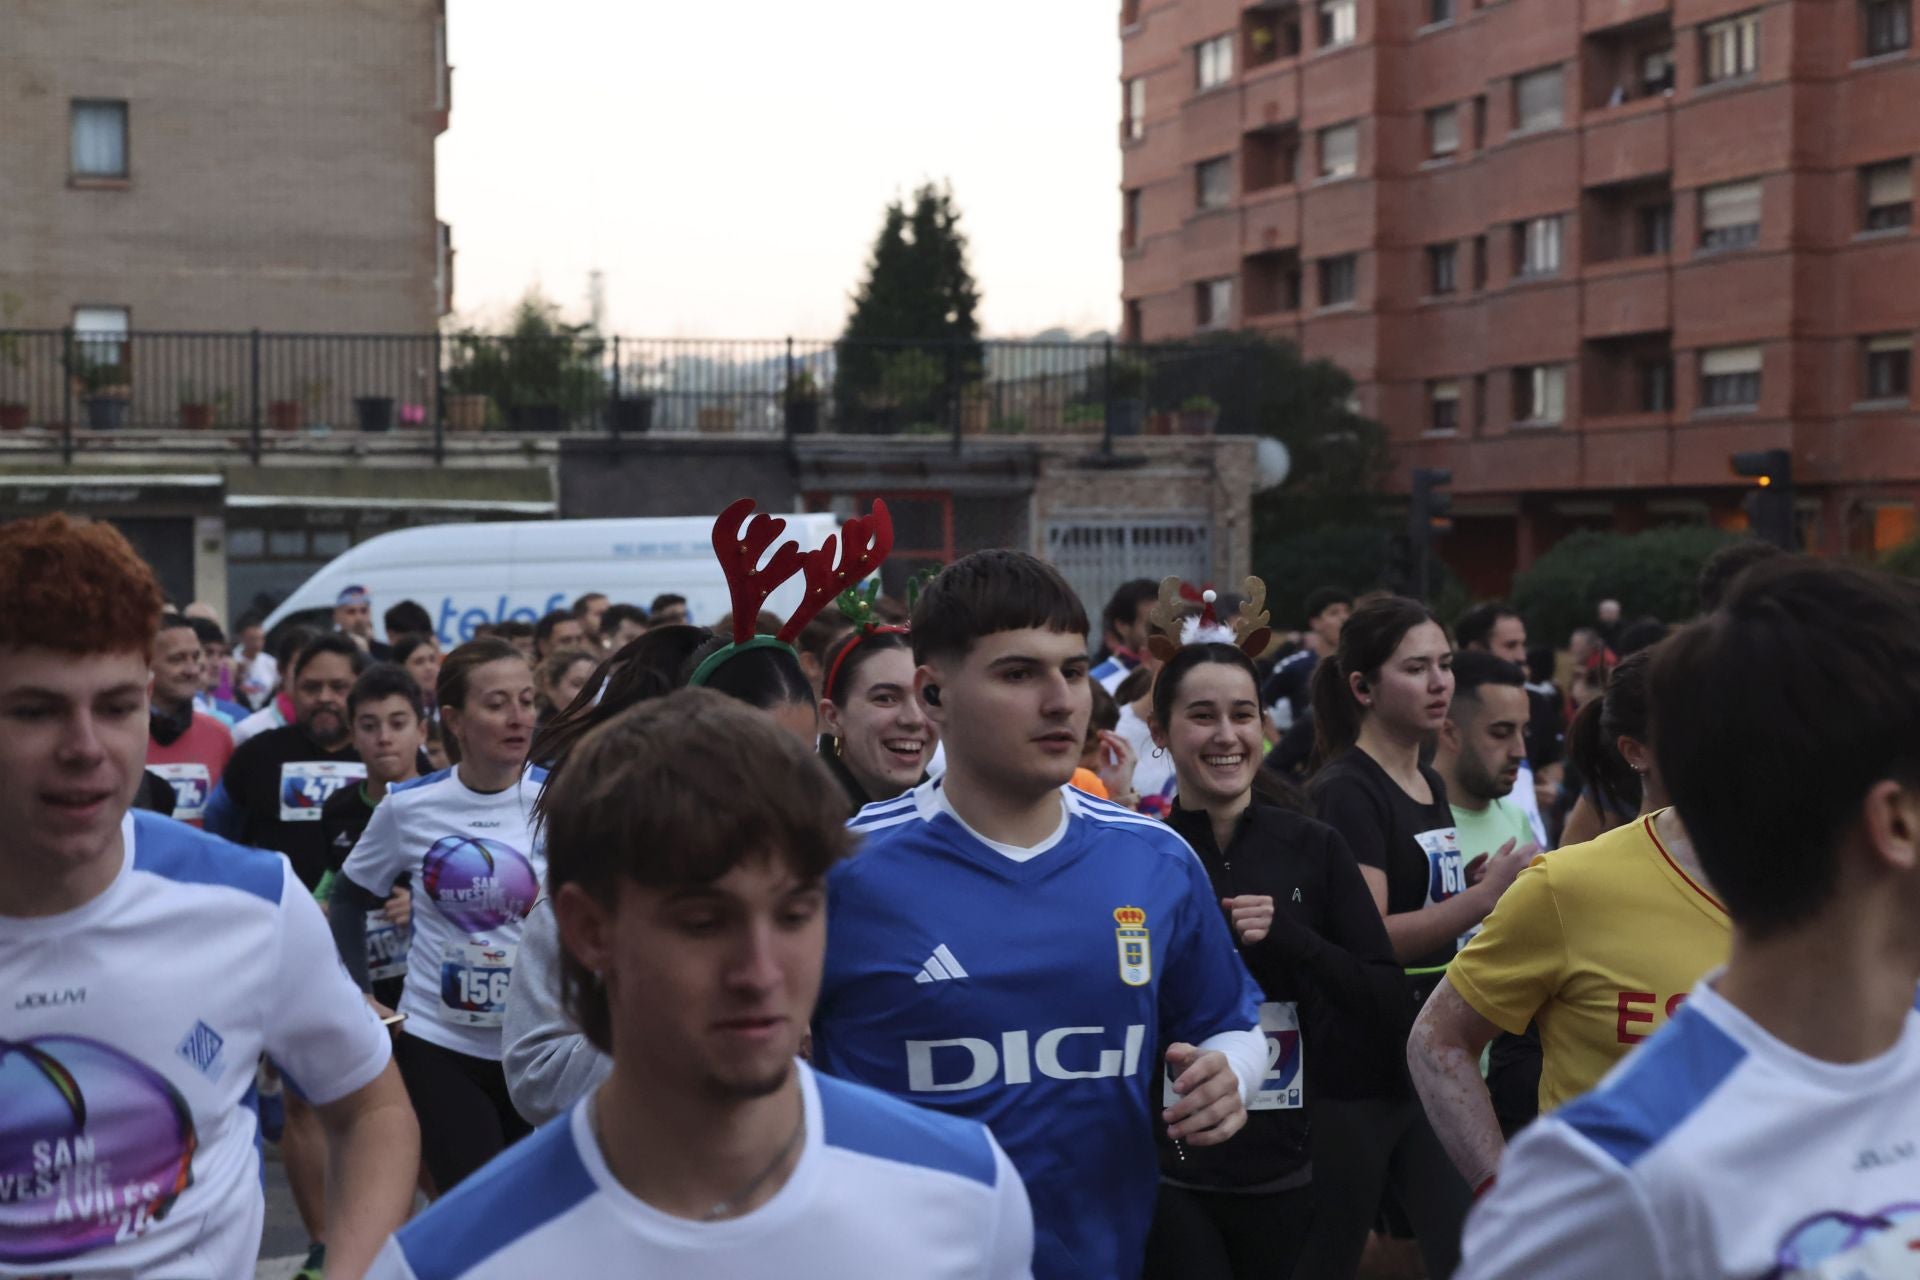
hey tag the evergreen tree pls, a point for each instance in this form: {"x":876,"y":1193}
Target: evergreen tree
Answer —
{"x":913,"y":339}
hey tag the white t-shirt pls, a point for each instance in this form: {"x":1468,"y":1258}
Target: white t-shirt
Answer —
{"x":1714,"y":1150}
{"x":1152,"y":776}
{"x":128,"y":1042}
{"x":476,"y":873}
{"x":882,"y":1188}
{"x":267,"y":717}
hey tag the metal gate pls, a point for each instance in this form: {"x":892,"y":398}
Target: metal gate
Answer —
{"x":1096,"y":553}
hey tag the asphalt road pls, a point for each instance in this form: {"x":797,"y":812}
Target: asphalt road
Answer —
{"x":284,"y":1245}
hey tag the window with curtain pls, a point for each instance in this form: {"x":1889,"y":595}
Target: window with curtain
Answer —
{"x":1130,"y":218}
{"x":1887,"y":25}
{"x":1537,"y":102}
{"x":1730,"y":215}
{"x":1443,"y":131}
{"x":1339,"y":280}
{"x":1730,"y":377}
{"x":1730,"y":49}
{"x":1214,"y":62}
{"x":1340,"y":151}
{"x":1444,"y":400}
{"x":1213,"y":183}
{"x":1537,"y":247}
{"x":1889,"y":195}
{"x":1339,"y":23}
{"x":1214,"y":299}
{"x":101,"y":333}
{"x":1442,"y":269}
{"x":1136,"y":103}
{"x":99,"y":139}
{"x":1540,"y":394}
{"x":1889,"y":367}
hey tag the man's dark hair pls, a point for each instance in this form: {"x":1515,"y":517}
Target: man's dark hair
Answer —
{"x":618,"y":613}
{"x":1474,"y":669}
{"x":170,"y":621}
{"x":1728,"y":563}
{"x":408,"y":618}
{"x":675,"y":793}
{"x":404,"y":647}
{"x":579,"y":608}
{"x":1321,"y":599}
{"x":663,"y":601}
{"x":1641,"y":633}
{"x":512,"y":629}
{"x":1474,"y":630}
{"x":209,"y":631}
{"x":286,"y":648}
{"x":1772,"y":719}
{"x":329,"y":642}
{"x":543,"y":629}
{"x":1124,"y":605}
{"x":989,"y":592}
{"x":385,"y":680}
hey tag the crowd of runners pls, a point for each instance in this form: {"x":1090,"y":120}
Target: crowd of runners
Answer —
{"x":958,"y":936}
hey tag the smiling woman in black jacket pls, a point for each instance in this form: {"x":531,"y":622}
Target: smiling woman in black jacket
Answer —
{"x":1308,"y":930}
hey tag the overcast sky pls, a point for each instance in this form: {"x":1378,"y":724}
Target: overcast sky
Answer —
{"x":726,"y":164}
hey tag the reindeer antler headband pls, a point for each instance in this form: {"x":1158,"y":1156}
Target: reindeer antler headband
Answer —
{"x":842,"y":561}
{"x":1250,"y":631}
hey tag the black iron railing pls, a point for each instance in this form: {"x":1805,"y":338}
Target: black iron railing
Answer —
{"x":262,"y":392}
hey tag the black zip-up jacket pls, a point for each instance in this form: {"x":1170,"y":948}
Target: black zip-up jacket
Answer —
{"x":1328,"y":953}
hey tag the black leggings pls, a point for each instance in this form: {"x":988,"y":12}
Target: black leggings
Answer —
{"x":466,"y":1117}
{"x":1360,"y":1150}
{"x":1216,"y":1235}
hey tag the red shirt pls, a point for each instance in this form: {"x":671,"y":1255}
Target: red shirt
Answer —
{"x":193,"y":763}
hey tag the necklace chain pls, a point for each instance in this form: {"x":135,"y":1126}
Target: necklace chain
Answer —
{"x":726,"y":1208}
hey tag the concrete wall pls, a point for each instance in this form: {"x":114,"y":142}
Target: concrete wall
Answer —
{"x":672,"y":476}
{"x":280,"y":155}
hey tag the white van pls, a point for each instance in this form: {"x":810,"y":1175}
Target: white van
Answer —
{"x":469,"y":574}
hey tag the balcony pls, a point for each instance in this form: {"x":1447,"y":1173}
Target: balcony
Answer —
{"x":1607,"y":15}
{"x":1629,"y":379}
{"x":1626,"y":144}
{"x":1273,"y":283}
{"x":1270,"y":33}
{"x":1628,"y":301}
{"x":1270,"y":158}
{"x":1628,"y":220}
{"x":1627,"y":64}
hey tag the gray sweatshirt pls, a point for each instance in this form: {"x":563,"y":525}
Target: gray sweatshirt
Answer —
{"x":550,"y":1065}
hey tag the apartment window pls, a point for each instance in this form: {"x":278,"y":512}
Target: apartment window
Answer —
{"x":1215,"y":303}
{"x":1480,"y":122}
{"x":1889,"y":367}
{"x":1537,"y":101}
{"x":99,"y":139}
{"x":1134,"y":123}
{"x":1730,"y":49}
{"x":1443,"y":400}
{"x":1213,"y":183}
{"x":1443,"y":131}
{"x":1656,"y":386}
{"x":1656,"y":73}
{"x":1439,"y":11}
{"x":442,"y":77}
{"x":1214,"y":62}
{"x":1888,"y":191}
{"x":1730,"y":378}
{"x":1339,"y":23}
{"x":1339,"y":280}
{"x":1479,"y":402}
{"x":1479,"y":263}
{"x":1129,"y":12}
{"x":1442,"y":274}
{"x":443,"y":267}
{"x":1540,"y":394}
{"x":1888,"y":25}
{"x":1130,"y":219}
{"x":1130,"y":321}
{"x":1340,"y":151}
{"x":1536,"y":245}
{"x":1729,"y":215}
{"x":1656,"y":230}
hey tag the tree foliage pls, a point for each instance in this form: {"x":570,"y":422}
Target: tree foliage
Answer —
{"x":542,"y":360}
{"x":1651,"y":574}
{"x":913,"y":338}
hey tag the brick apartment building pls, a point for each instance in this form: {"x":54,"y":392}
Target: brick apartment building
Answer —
{"x":1577,"y":251}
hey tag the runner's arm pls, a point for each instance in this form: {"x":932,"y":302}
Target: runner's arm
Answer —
{"x":222,"y":816}
{"x":1422,"y":932}
{"x":1444,"y":1056}
{"x":373,"y":1160}
{"x":347,"y":908}
{"x":549,"y":1064}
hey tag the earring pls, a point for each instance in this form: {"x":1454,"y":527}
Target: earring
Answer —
{"x":1159,"y":753}
{"x":839,"y":746}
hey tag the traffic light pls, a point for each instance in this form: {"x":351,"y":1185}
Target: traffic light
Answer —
{"x":1770,"y":504}
{"x":1427,"y":518}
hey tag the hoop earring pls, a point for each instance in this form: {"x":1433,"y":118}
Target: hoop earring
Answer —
{"x":1159,"y":753}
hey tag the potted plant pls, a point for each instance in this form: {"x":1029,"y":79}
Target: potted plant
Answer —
{"x":803,"y":404}
{"x":102,"y":384}
{"x":196,"y":408}
{"x":374,"y":412}
{"x":631,"y":412}
{"x":476,"y":371}
{"x":13,"y":413}
{"x":976,"y":409}
{"x":1127,"y":395}
{"x":1199,"y":415}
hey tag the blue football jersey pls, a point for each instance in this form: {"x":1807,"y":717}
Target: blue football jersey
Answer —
{"x":1034,"y":994}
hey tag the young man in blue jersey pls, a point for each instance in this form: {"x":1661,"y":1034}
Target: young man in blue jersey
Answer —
{"x":688,"y":841}
{"x":1772,"y":1126}
{"x":1005,"y":948}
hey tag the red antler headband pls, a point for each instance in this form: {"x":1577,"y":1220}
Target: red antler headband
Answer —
{"x":842,"y":560}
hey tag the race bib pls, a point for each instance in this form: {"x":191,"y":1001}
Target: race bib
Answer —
{"x":387,"y":945}
{"x":1878,"y":1246}
{"x":305,"y":785}
{"x":192,"y":784}
{"x":1283,"y":1087}
{"x":473,"y":982}
{"x":1446,"y":868}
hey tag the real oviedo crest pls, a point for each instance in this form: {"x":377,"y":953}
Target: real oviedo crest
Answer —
{"x":1136,"y":955}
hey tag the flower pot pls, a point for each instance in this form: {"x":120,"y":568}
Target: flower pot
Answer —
{"x":975,"y":413}
{"x":536,"y":417}
{"x":106,"y":413}
{"x":1124,"y":417}
{"x":716,"y":421}
{"x":13,"y":416}
{"x":285,"y":415}
{"x":466,"y":412}
{"x":1160,"y":422}
{"x":1198,"y":422}
{"x":632,"y":415}
{"x":196,"y":417}
{"x":374,"y":412}
{"x":803,"y":417}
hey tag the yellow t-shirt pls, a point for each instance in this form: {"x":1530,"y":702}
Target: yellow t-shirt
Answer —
{"x":1600,"y":942}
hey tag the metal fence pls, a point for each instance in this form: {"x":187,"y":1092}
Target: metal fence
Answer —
{"x":260,"y":392}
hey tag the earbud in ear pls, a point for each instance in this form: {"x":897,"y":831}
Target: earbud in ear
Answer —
{"x":1363,"y":686}
{"x":932,"y":695}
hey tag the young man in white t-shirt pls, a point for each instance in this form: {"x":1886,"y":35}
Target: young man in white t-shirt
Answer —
{"x":147,"y":966}
{"x":688,"y":841}
{"x":1772,"y":1127}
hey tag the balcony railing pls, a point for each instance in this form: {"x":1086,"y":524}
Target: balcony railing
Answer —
{"x":259,"y":393}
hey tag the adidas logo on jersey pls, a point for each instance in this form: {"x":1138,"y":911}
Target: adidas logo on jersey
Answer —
{"x":940,"y":967}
